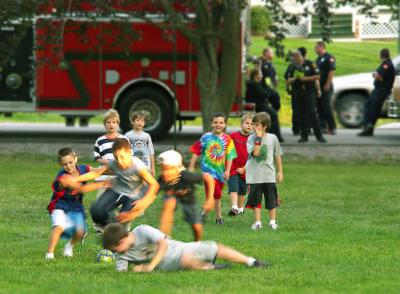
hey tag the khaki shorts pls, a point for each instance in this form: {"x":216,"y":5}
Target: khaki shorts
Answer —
{"x":204,"y":250}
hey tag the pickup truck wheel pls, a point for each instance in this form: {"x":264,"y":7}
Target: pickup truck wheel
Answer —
{"x":350,"y":110}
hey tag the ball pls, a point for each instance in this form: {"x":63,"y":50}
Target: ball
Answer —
{"x":105,"y":255}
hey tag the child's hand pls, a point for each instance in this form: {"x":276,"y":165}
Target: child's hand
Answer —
{"x":143,"y":268}
{"x":226,"y":175}
{"x":125,"y":217}
{"x":258,"y":131}
{"x":68,"y":181}
{"x":241,"y":170}
{"x":279,"y":177}
{"x":208,"y":206}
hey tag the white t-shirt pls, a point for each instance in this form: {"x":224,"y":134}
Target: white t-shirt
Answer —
{"x":142,"y":146}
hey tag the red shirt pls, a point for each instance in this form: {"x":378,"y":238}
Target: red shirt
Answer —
{"x":240,"y":142}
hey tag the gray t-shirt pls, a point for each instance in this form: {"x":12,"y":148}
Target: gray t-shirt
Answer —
{"x":142,"y":146}
{"x":128,"y":181}
{"x":144,"y":247}
{"x":261,"y":169}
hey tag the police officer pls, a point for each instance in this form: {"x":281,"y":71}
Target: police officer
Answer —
{"x":326,"y":65}
{"x":303,"y":78}
{"x":295,"y":103}
{"x":383,"y":82}
{"x":270,"y":77}
{"x":256,"y":93}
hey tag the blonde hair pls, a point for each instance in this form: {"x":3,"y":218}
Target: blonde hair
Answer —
{"x":246,"y":116}
{"x":111,"y":113}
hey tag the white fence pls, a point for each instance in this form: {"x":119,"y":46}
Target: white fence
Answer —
{"x":364,"y":29}
{"x":381,"y":30}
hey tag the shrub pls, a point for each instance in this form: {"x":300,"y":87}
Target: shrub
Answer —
{"x":260,"y":20}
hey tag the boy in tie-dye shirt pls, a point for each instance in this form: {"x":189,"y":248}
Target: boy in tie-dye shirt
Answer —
{"x":217,"y":150}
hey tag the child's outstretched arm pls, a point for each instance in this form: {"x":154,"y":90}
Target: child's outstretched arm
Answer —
{"x":279,"y":174}
{"x":192,"y":163}
{"x":162,"y":246}
{"x":93,"y":174}
{"x":143,"y":203}
{"x":210,"y":186}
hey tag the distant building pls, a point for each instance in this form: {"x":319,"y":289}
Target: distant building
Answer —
{"x":347,"y":22}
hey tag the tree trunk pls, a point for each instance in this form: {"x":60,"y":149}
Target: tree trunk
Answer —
{"x":217,"y":82}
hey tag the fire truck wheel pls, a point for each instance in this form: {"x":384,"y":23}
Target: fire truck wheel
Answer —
{"x":154,"y":103}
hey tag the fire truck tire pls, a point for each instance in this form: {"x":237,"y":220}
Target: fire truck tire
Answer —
{"x":154,"y":103}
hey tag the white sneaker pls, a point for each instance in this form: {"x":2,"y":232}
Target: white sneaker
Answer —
{"x":49,"y":255}
{"x":256,"y":227}
{"x":273,"y":226}
{"x":68,"y":250}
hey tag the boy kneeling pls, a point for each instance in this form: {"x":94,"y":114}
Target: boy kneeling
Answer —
{"x":149,"y":249}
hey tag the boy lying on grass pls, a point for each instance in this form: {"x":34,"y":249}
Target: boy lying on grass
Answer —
{"x":150,"y":249}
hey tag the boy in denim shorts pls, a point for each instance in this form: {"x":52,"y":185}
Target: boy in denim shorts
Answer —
{"x":237,"y":179}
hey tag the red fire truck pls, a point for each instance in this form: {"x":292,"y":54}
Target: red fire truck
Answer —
{"x":155,"y":73}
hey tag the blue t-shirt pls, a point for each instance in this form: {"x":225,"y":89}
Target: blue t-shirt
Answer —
{"x":66,"y":199}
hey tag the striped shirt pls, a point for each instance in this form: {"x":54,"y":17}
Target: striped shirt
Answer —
{"x":103,"y":147}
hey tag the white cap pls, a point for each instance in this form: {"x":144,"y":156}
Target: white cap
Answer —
{"x":170,"y":157}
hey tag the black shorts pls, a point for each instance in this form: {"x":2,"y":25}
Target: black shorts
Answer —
{"x":191,"y":211}
{"x":254,"y":198}
{"x":237,"y":184}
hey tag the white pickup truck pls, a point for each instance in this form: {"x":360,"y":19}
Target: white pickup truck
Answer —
{"x":352,"y":91}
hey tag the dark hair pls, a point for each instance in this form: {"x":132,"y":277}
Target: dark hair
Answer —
{"x":64,"y":152}
{"x":262,"y":118}
{"x":321,"y":44}
{"x":113,"y":233}
{"x":218,"y":114}
{"x":138,"y":114}
{"x":120,"y":143}
{"x":303,"y":51}
{"x":385,"y":53}
{"x":253,"y":73}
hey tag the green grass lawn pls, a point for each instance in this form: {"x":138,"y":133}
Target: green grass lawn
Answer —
{"x":351,"y":57}
{"x":339,"y":232}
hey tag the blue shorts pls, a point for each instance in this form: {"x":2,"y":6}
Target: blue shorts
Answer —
{"x":70,"y":221}
{"x":237,"y":184}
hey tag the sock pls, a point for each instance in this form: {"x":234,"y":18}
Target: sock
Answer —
{"x":272,"y":222}
{"x":241,"y":209}
{"x":235,"y":207}
{"x":250,"y":261}
{"x":258,"y":223}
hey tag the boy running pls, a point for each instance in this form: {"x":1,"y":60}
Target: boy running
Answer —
{"x":179,"y":187}
{"x":217,"y":151}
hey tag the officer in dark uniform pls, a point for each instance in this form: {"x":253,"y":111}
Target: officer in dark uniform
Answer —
{"x":383,"y":83}
{"x":256,"y":93}
{"x":295,"y":103}
{"x":326,"y":64}
{"x":270,"y":78}
{"x":303,"y":78}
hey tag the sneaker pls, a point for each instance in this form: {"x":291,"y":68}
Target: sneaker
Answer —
{"x":219,"y":221}
{"x":68,"y":250}
{"x":273,"y":226}
{"x":233,"y":212}
{"x":240,"y":211}
{"x":256,"y":227}
{"x":98,"y":228}
{"x":321,"y":140}
{"x":260,"y":264}
{"x":49,"y":255}
{"x":303,"y":140}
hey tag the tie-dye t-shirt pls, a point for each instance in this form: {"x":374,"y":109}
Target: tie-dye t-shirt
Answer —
{"x":214,"y":151}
